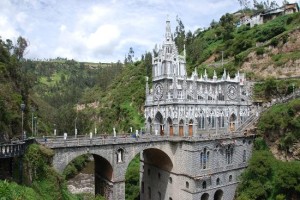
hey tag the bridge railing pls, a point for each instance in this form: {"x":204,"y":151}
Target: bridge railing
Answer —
{"x":12,"y":150}
{"x":54,"y":142}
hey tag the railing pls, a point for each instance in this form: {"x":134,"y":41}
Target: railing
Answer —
{"x":59,"y":141}
{"x":12,"y":150}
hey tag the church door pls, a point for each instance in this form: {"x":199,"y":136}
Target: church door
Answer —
{"x":181,"y":128}
{"x":171,"y":130}
{"x":232,"y":121}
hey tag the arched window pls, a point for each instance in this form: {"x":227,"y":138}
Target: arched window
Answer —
{"x":204,"y":158}
{"x":230,"y":178}
{"x":221,"y":97}
{"x":229,"y":154}
{"x":170,"y":180}
{"x":200,"y":97}
{"x":244,"y":156}
{"x":158,"y":175}
{"x":218,"y":181}
{"x":204,"y":185}
{"x":211,"y":120}
{"x":120,"y":155}
{"x":201,"y":121}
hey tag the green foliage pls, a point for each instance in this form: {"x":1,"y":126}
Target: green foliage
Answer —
{"x":76,"y":166}
{"x":268,"y":178}
{"x":13,"y":191}
{"x":281,"y":122}
{"x":132,"y":176}
{"x":271,"y":88}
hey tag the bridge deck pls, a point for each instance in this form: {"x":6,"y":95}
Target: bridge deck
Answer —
{"x":57,"y":142}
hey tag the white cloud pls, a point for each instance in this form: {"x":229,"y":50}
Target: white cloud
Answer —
{"x":101,"y":31}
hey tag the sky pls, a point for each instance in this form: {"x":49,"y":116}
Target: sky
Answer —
{"x":102,"y":30}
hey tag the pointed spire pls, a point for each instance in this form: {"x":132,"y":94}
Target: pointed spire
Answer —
{"x":224,"y":74}
{"x":215,"y":75}
{"x":228,"y":77}
{"x":205,"y":74}
{"x":201,"y":77}
{"x":195,"y":73}
{"x":168,"y":30}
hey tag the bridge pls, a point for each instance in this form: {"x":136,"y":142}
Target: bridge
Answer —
{"x":172,"y":158}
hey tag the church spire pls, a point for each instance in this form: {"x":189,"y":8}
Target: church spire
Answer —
{"x":168,"y":30}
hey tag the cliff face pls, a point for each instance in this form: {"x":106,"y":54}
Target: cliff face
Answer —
{"x":281,"y":61}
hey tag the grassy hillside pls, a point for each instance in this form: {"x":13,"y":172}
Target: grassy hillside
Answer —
{"x":243,"y":46}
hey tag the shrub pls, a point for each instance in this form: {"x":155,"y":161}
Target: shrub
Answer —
{"x":260,"y":51}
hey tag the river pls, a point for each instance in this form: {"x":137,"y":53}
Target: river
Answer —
{"x":84,"y":182}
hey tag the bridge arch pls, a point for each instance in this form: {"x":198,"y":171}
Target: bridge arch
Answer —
{"x":155,"y":171}
{"x":103,"y":174}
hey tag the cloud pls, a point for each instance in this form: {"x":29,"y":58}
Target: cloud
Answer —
{"x":101,"y":31}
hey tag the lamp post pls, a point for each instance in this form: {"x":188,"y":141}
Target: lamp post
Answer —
{"x":22,"y":109}
{"x":75,"y":128}
{"x":54,"y":130}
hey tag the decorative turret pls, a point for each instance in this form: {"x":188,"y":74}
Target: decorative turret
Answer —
{"x":168,"y":34}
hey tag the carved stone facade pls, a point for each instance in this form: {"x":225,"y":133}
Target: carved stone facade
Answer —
{"x":196,"y":105}
{"x":201,"y":108}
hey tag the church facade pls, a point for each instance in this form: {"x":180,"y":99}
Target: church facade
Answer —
{"x":178,"y":105}
{"x":207,"y":114}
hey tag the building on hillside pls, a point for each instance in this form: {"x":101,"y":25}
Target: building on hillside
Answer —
{"x":200,"y":110}
{"x":265,"y":16}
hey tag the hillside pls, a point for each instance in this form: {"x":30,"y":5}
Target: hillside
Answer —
{"x":270,"y":49}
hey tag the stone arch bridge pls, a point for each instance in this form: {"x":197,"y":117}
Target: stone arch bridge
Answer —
{"x":171,"y":167}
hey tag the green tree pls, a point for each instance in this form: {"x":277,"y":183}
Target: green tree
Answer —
{"x":179,"y":35}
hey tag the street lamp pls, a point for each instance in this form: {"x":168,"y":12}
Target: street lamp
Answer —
{"x":32,"y":130}
{"x":54,"y":130}
{"x":22,"y":109}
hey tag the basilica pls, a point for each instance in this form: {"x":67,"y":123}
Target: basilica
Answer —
{"x":178,"y":105}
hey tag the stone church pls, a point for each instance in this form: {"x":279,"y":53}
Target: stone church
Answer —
{"x":178,"y":105}
{"x":204,"y":114}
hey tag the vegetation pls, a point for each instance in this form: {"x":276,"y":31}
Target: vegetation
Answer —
{"x":76,"y":166}
{"x":281,"y":122}
{"x":272,"y":88}
{"x":268,"y":178}
{"x":132,"y":187}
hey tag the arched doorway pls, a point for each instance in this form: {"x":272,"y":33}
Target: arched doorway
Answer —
{"x":159,"y":123}
{"x":218,"y":195}
{"x":170,"y":124}
{"x":191,"y":122}
{"x":181,"y":124}
{"x":205,"y":196}
{"x":232,"y":122}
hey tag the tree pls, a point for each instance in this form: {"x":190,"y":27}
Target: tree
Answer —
{"x":179,"y":35}
{"x":227,"y":26}
{"x":244,"y":4}
{"x":130,"y":55}
{"x":19,"y":49}
{"x":264,"y":5}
